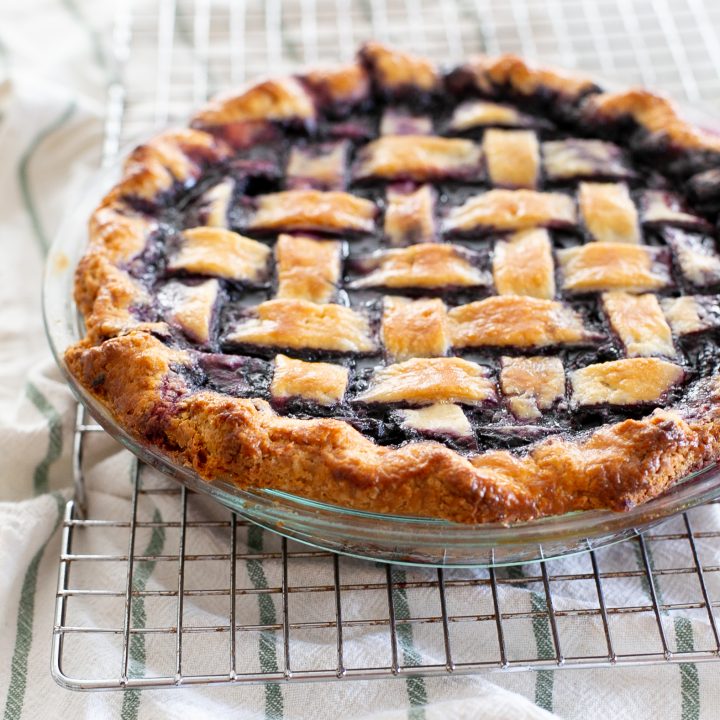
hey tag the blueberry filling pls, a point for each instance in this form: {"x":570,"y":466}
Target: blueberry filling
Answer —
{"x":234,"y":375}
{"x":681,"y":246}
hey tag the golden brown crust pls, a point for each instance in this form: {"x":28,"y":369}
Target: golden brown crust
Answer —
{"x":425,"y":265}
{"x":173,"y":156}
{"x":396,"y":71}
{"x":274,"y":99}
{"x":301,"y":324}
{"x":654,"y":113}
{"x":630,"y":381}
{"x":598,"y":267}
{"x":511,"y":210}
{"x":419,"y":158}
{"x":409,"y":216}
{"x":523,"y":265}
{"x":511,"y":71}
{"x":346,"y":85}
{"x":617,"y":467}
{"x":609,"y":212}
{"x":117,"y":231}
{"x":639,"y":322}
{"x":178,"y":151}
{"x":480,"y":113}
{"x":242,"y":440}
{"x":425,"y":381}
{"x":323,"y":383}
{"x":512,"y":157}
{"x":106,"y":296}
{"x":414,"y":328}
{"x":313,"y":210}
{"x":532,"y":384}
{"x":191,"y":307}
{"x":516,"y":321}
{"x":220,"y":253}
{"x":307,"y":269}
{"x":139,"y":379}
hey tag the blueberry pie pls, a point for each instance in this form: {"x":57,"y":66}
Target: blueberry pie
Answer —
{"x":489,"y":293}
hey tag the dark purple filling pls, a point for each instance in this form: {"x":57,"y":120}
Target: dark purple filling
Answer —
{"x":678,"y":163}
{"x":515,"y":435}
{"x":704,"y":191}
{"x":260,"y":161}
{"x":545,"y":102}
{"x":357,"y":130}
{"x":257,"y":168}
{"x":702,"y":352}
{"x":494,"y":427}
{"x":234,"y":375}
{"x":545,"y":129}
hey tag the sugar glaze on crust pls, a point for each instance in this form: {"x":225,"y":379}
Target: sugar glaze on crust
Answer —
{"x":130,"y":362}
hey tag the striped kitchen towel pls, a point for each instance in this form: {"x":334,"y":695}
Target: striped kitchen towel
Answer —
{"x":53,"y":76}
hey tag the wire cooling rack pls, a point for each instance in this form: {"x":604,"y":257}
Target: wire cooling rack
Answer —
{"x":191,"y":50}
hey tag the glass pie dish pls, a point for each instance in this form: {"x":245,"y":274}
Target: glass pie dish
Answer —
{"x":389,"y":538}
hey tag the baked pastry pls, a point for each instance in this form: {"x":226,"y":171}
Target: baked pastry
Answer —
{"x":482,"y":294}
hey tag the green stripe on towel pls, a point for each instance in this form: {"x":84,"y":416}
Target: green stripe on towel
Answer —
{"x":141,"y":574}
{"x":25,"y":624}
{"x":268,"y":616}
{"x":55,"y":438}
{"x":544,"y":679}
{"x":23,"y":173}
{"x":416,"y":690}
{"x":689,"y":678}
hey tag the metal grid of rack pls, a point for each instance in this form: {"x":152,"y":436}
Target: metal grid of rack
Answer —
{"x":175,"y":601}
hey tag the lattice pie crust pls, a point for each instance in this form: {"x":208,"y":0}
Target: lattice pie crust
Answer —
{"x":487,"y":293}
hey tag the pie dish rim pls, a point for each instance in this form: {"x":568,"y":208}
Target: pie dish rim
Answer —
{"x":425,"y":542}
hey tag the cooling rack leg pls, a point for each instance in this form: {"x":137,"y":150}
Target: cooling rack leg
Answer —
{"x":127,"y":619}
{"x":61,"y":598}
{"x":78,"y":473}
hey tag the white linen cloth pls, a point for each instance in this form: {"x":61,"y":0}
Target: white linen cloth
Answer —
{"x":51,"y":101}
